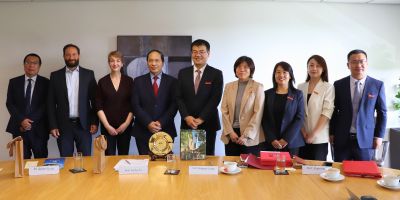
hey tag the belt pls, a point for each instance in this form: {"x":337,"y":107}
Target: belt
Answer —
{"x":74,"y":120}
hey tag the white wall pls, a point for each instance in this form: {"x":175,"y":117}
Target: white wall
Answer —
{"x":268,"y":32}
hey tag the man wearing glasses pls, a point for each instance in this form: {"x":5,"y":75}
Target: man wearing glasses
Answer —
{"x":26,"y":103}
{"x":199,"y":93}
{"x":354,"y":129}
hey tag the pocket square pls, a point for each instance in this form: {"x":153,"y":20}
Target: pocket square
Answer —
{"x":208,"y":83}
{"x":290,"y":98}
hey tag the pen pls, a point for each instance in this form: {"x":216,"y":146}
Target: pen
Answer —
{"x":128,"y":162}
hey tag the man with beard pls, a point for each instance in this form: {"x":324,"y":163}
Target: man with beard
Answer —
{"x":71,"y":112}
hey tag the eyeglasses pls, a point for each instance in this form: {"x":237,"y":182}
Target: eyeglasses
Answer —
{"x":31,"y":63}
{"x":355,"y":62}
{"x":199,"y":52}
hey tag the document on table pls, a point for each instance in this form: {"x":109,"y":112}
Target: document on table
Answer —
{"x":130,"y":163}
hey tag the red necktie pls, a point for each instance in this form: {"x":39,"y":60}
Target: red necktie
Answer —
{"x":155,"y":86}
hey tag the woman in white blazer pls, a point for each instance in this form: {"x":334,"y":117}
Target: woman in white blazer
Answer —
{"x":319,"y":98}
{"x":242,"y":107}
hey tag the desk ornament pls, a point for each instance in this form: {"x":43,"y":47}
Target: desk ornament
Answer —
{"x":16,"y":147}
{"x":99,"y":158}
{"x":160,"y":145}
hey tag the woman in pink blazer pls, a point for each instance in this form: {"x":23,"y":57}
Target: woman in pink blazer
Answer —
{"x":242,"y":106}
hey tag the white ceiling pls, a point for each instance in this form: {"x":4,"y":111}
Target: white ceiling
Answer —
{"x":308,"y":1}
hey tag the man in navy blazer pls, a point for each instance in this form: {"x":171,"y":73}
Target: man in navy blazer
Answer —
{"x":154,"y":104}
{"x":199,"y":93}
{"x":71,"y":105}
{"x":26,"y":103}
{"x":354,"y":129}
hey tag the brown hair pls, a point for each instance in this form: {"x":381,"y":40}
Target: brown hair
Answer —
{"x":115,"y":54}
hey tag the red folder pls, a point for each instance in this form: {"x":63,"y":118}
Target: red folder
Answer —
{"x":253,"y":161}
{"x":361,"y":168}
{"x":269,"y":158}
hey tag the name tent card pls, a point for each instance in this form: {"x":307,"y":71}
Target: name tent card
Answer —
{"x":132,"y":166}
{"x":203,"y":170}
{"x":312,"y":169}
{"x":44,"y":170}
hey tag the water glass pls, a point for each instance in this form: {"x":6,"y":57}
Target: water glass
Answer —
{"x":172,"y":162}
{"x":280,"y":163}
{"x":78,"y":161}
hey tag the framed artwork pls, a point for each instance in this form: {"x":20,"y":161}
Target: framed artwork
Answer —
{"x":193,"y":144}
{"x":176,"y":50}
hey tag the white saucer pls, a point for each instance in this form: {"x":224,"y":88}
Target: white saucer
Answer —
{"x":222,"y":170}
{"x":381,"y":182}
{"x":339,"y":178}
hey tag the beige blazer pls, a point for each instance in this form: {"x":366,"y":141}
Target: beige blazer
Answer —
{"x":250,"y":115}
{"x":321,"y":103}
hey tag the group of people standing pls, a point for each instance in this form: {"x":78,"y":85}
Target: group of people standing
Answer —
{"x":301,"y":121}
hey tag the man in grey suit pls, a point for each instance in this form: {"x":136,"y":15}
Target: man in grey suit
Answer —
{"x":72,"y":117}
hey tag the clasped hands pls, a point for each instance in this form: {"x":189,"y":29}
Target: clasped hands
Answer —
{"x":26,"y":125}
{"x":154,"y":126}
{"x":236,"y":139}
{"x":193,"y":122}
{"x":279,"y":144}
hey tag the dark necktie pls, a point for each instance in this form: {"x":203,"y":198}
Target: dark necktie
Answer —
{"x":155,"y":86}
{"x":28,"y":97}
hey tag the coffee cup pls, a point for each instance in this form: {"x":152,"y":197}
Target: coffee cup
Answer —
{"x":230,"y":166}
{"x":391,"y":180}
{"x":332,"y":173}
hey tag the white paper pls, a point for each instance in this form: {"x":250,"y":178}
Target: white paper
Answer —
{"x":210,"y":170}
{"x":44,"y":170}
{"x":311,"y":169}
{"x":133,"y":169}
{"x":132,"y":166}
{"x":31,"y":164}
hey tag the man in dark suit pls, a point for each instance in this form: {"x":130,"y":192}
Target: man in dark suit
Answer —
{"x":199,"y":93}
{"x":71,"y":111}
{"x":154,"y":104}
{"x":354,"y":130}
{"x":26,"y":103}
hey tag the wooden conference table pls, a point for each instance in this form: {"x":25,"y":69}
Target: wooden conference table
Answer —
{"x":249,"y":184}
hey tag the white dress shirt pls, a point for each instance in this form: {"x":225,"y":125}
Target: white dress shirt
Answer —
{"x":72,"y":79}
{"x":33,"y":81}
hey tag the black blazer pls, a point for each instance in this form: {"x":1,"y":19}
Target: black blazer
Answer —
{"x":16,"y":106}
{"x":292,"y":120}
{"x":58,"y":106}
{"x":147,"y":107}
{"x":205,"y":103}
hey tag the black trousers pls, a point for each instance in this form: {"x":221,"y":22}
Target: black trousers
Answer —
{"x":233,"y":149}
{"x":120,"y":142}
{"x":82,"y":139}
{"x":210,"y":144}
{"x":314,"y":151}
{"x":34,"y":144}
